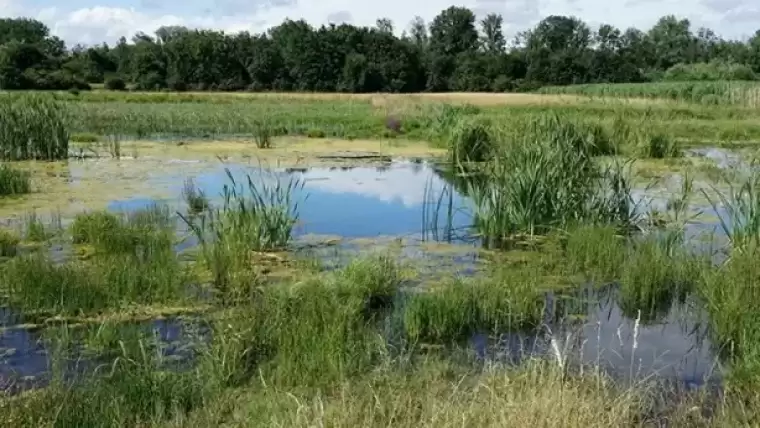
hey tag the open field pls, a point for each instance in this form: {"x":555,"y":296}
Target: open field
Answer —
{"x":426,"y":260}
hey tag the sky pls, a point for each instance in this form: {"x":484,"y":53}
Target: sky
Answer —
{"x":96,"y":21}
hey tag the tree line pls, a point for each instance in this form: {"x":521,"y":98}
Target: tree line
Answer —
{"x":454,"y":52}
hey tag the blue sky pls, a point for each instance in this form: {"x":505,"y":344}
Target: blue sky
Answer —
{"x":93,"y":21}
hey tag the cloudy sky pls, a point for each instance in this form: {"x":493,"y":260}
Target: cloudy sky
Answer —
{"x":93,"y":21}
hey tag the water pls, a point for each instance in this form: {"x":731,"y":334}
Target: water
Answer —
{"x":25,"y":355}
{"x":674,"y":346}
{"x":356,"y":202}
{"x":388,"y":202}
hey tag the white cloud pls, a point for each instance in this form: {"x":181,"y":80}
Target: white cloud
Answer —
{"x":92,"y":22}
{"x":401,"y":183}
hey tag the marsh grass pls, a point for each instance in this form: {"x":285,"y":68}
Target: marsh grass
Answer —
{"x":142,"y":232}
{"x":135,"y":389}
{"x":545,"y":181}
{"x":263,"y":135}
{"x":655,"y":276}
{"x":257,"y":215}
{"x":8,"y":243}
{"x":658,"y":146}
{"x":470,"y":141}
{"x":14,"y":181}
{"x":34,"y":229}
{"x":508,"y":300}
{"x":738,"y":210}
{"x":194,"y":197}
{"x":33,"y":127}
{"x":438,"y":393}
{"x":134,"y":264}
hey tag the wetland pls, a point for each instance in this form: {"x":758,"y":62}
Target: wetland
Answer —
{"x":565,"y":264}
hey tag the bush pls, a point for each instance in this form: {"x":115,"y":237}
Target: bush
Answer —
{"x":115,"y":84}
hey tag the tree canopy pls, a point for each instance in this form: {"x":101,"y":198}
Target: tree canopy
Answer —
{"x":454,"y":52}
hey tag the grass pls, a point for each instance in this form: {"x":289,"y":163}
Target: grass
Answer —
{"x":195,"y":198}
{"x":182,"y":116}
{"x":366,"y":344}
{"x":134,"y":263}
{"x":14,"y":181}
{"x":544,"y":180}
{"x":33,"y":127}
{"x":741,"y":93}
{"x":257,"y":215}
{"x":507,"y":301}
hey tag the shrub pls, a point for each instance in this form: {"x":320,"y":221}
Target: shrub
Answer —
{"x":115,"y":84}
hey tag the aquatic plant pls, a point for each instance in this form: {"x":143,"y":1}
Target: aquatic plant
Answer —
{"x":143,"y":231}
{"x":14,"y":181}
{"x":658,"y":146}
{"x":543,"y":181}
{"x":257,"y":216}
{"x":738,"y":210}
{"x":194,"y":197}
{"x":262,"y":134}
{"x":34,"y":229}
{"x":470,"y":141}
{"x":8,"y":243}
{"x":33,"y":127}
{"x":504,"y":301}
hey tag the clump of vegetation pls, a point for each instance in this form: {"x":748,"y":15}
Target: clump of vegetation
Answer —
{"x":658,"y":146}
{"x":315,"y":133}
{"x":14,"y":181}
{"x":8,"y":243}
{"x":115,"y":84}
{"x":508,"y":300}
{"x":194,"y":197}
{"x":263,"y":135}
{"x":134,"y":263}
{"x":718,"y":71}
{"x":738,"y":211}
{"x":32,"y":127}
{"x":547,"y":180}
{"x":257,"y":215}
{"x":470,"y":141}
{"x":35,"y":230}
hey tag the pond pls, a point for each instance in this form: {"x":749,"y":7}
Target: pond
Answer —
{"x":412,"y":202}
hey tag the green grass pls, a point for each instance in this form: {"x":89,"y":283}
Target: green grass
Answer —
{"x":545,"y":179}
{"x":14,"y":181}
{"x":8,"y":243}
{"x":33,"y":127}
{"x":741,"y":93}
{"x":257,"y":215}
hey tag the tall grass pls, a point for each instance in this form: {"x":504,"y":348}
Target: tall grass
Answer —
{"x":545,"y":180}
{"x":256,"y":215}
{"x":738,"y":210}
{"x":740,"y":93}
{"x":33,"y":127}
{"x":134,"y":264}
{"x":14,"y":181}
{"x":194,"y":197}
{"x":507,"y":300}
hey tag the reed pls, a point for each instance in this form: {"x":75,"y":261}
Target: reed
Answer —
{"x":14,"y":181}
{"x":33,"y":127}
{"x":257,"y":215}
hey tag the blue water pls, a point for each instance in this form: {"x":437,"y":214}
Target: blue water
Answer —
{"x":355,"y":202}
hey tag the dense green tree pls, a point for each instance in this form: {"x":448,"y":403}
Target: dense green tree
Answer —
{"x":454,"y":53}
